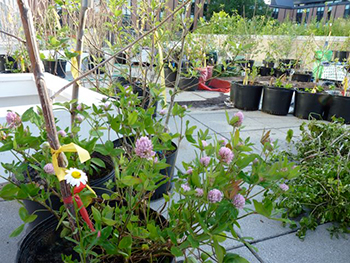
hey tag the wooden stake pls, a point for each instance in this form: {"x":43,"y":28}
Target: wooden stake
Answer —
{"x":34,"y":55}
{"x":79,"y":48}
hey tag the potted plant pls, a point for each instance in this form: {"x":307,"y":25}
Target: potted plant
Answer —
{"x":277,"y":98}
{"x":311,"y":103}
{"x":122,"y":226}
{"x":340,"y":104}
{"x":247,"y":95}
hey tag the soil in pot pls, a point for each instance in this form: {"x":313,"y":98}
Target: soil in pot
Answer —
{"x":339,"y":107}
{"x":310,"y":105}
{"x":167,"y":172}
{"x":56,"y":67}
{"x":302,"y":77}
{"x":246,"y":97}
{"x":277,"y":100}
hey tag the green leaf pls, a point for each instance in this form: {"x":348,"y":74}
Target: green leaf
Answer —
{"x":9,"y":191}
{"x":219,"y":251}
{"x":109,"y":222}
{"x":6,"y":147}
{"x":126,"y":244}
{"x":130,"y":180}
{"x":98,"y":162}
{"x":30,"y":219}
{"x":17,"y":231}
{"x":132,"y":118}
{"x":176,"y":252}
{"x":245,"y":161}
{"x":234,"y":258}
{"x":27,"y":115}
{"x":23,"y":213}
{"x":96,"y":214}
{"x":262,"y":209}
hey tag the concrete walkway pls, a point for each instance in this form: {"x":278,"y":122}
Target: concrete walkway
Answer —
{"x":273,"y":243}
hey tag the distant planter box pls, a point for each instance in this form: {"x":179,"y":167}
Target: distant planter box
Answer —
{"x":18,"y":93}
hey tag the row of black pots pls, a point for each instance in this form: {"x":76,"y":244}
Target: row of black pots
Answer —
{"x":43,"y":244}
{"x":99,"y":185}
{"x":277,"y":101}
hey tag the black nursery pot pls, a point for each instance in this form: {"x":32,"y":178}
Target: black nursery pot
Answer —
{"x":7,"y":64}
{"x":341,"y":55}
{"x":310,"y":104}
{"x":43,"y":244}
{"x":168,"y":172}
{"x":268,"y":64}
{"x":56,"y":67}
{"x":188,"y":83}
{"x":339,"y":107}
{"x":92,"y":63}
{"x":245,"y":97}
{"x":265,"y":71}
{"x":170,"y":77}
{"x":302,"y":77}
{"x":276,"y":100}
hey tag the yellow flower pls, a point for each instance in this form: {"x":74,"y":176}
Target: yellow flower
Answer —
{"x":75,"y":176}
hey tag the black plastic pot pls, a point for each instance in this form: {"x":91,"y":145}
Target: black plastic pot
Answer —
{"x":43,"y":244}
{"x":341,"y":55}
{"x":188,"y":83}
{"x":8,"y":64}
{"x":212,"y":58}
{"x":168,"y":172}
{"x":265,"y":71}
{"x":268,"y":64}
{"x":276,"y":100}
{"x":170,"y":77}
{"x":278,"y":72}
{"x":245,"y":97}
{"x":339,"y":107}
{"x":56,"y":67}
{"x":310,"y":105}
{"x":302,"y":77}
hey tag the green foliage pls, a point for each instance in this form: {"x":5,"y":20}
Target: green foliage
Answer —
{"x":242,"y":7}
{"x":321,"y":193}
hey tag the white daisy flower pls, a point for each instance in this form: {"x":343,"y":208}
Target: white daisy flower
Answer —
{"x":75,"y":176}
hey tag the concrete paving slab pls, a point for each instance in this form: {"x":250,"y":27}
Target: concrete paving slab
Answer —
{"x":317,"y":247}
{"x":185,"y":96}
{"x":175,"y":124}
{"x":217,"y":122}
{"x":273,"y":121}
{"x":9,"y":221}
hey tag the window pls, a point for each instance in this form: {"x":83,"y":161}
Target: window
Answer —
{"x":347,"y":11}
{"x":329,"y":12}
{"x":319,"y":13}
{"x":275,"y":13}
{"x":299,"y":16}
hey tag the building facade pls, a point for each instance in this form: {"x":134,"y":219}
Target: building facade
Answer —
{"x":307,"y":10}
